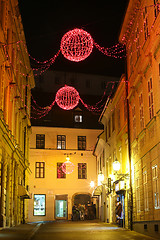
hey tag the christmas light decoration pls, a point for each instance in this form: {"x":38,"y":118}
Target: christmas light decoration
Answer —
{"x":67,"y":97}
{"x":67,"y":166}
{"x":76,"y":45}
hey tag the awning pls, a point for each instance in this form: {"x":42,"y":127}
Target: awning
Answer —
{"x":23,"y":193}
{"x":97,"y":191}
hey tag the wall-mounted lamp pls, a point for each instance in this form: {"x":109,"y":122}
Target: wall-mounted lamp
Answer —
{"x":100,"y":178}
{"x":116,"y":165}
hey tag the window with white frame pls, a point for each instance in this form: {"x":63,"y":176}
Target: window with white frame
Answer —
{"x":145,"y":188}
{"x":61,"y":142}
{"x":150,"y":98}
{"x":141,"y":111}
{"x":155,"y":187}
{"x":138,"y":195}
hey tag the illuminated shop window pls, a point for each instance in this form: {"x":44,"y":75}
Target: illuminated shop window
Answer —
{"x":39,"y":205}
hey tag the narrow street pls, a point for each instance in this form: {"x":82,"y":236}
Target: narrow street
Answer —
{"x":69,"y":231}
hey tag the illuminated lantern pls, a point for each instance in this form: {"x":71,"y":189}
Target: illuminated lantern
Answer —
{"x":76,"y":45}
{"x":67,"y":167}
{"x":67,"y":97}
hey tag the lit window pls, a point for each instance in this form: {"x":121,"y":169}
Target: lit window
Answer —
{"x":40,"y":170}
{"x":155,"y":187}
{"x":145,"y":187}
{"x":78,"y":118}
{"x":138,"y":195}
{"x":61,"y":142}
{"x":39,"y":205}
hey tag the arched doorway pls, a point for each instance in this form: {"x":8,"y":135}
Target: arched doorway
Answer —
{"x":82,"y":199}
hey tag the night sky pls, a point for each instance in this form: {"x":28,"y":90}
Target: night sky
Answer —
{"x":45,"y":22}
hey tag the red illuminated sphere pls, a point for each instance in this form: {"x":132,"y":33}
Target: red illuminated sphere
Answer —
{"x":67,"y":97}
{"x":67,"y":167}
{"x":76,"y":45}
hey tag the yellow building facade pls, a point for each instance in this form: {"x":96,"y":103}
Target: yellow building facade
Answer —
{"x":15,"y":92}
{"x":112,"y":145}
{"x":140,"y":35}
{"x":56,"y":188}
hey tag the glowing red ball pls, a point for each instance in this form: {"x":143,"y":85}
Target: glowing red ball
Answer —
{"x":76,"y":45}
{"x":67,"y":97}
{"x":67,"y":167}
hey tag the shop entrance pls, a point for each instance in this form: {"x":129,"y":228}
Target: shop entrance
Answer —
{"x":61,"y":209}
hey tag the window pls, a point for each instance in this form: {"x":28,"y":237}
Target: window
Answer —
{"x":125,"y":109}
{"x":141,"y":111}
{"x":145,"y":23}
{"x":156,"y":8}
{"x":40,"y":141}
{"x":106,"y":133}
{"x":40,"y":170}
{"x":137,"y":43}
{"x":150,"y":98}
{"x":134,"y":121}
{"x":138,"y":195}
{"x":60,"y":173}
{"x":155,"y":187}
{"x":39,"y":205}
{"x":61,"y":142}
{"x":78,"y":118}
{"x":109,"y":128}
{"x":113,"y":121}
{"x":118,"y":119}
{"x":82,"y":170}
{"x":145,"y":188}
{"x":81,"y":142}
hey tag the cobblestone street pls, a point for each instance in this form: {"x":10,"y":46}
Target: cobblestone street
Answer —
{"x":70,"y":230}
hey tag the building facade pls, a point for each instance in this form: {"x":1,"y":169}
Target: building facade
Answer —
{"x":112,"y":146}
{"x":140,"y":34}
{"x":56,"y":186}
{"x":16,"y":82}
{"x":86,"y":84}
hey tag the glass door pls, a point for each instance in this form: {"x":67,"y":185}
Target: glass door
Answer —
{"x":61,"y":209}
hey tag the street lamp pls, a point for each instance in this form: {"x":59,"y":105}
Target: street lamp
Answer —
{"x":116,"y":165}
{"x":100,"y":178}
{"x":92,"y":184}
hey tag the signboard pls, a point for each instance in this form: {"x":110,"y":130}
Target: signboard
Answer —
{"x":109,"y":185}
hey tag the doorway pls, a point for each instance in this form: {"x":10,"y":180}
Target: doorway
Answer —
{"x":61,"y":207}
